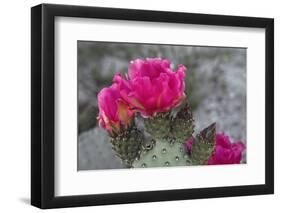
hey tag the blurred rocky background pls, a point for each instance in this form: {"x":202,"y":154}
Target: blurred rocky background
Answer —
{"x":215,"y":86}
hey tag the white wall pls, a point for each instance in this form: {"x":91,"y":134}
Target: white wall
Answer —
{"x":15,"y":105}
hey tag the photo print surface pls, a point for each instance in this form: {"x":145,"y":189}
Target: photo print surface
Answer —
{"x":160,"y":105}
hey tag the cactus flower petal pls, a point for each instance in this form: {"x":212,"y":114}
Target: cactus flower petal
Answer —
{"x":226,"y":152}
{"x":152,"y":86}
{"x":114,"y":112}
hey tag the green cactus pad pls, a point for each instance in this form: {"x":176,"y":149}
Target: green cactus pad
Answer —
{"x":163,"y":154}
{"x":159,"y":125}
{"x":182,"y":126}
{"x":127,"y":145}
{"x":203,"y":145}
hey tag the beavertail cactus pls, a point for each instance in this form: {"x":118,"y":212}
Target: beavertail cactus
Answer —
{"x":127,"y":144}
{"x":203,"y":145}
{"x":158,"y":126}
{"x":163,"y":153}
{"x":182,"y":124}
{"x":156,"y":92}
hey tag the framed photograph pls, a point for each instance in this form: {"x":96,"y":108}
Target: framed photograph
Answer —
{"x":140,"y":106}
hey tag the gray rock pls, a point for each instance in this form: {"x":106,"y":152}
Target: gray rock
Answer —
{"x":223,"y":94}
{"x":95,"y":152}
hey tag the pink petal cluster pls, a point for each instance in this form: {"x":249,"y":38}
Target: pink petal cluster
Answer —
{"x":152,"y":86}
{"x":226,"y":152}
{"x":113,"y":111}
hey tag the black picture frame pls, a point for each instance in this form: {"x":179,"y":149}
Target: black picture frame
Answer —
{"x":43,"y":102}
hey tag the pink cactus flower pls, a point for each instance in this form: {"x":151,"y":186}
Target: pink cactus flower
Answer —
{"x":152,"y":86}
{"x":188,"y":144}
{"x":226,"y":152}
{"x":114,"y":112}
